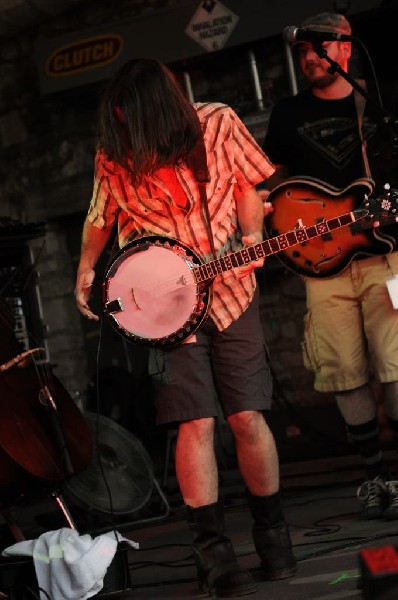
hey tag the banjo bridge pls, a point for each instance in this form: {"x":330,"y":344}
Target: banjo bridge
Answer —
{"x":182,"y":281}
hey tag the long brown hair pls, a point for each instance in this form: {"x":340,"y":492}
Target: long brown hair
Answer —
{"x":145,"y":121}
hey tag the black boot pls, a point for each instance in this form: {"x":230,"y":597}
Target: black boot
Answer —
{"x":218,"y":570}
{"x":271,"y":537}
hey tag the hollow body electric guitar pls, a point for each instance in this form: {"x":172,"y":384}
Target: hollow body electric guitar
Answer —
{"x":311,"y":201}
{"x":157,"y":290}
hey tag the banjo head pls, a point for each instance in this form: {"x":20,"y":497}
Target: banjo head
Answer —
{"x":150,"y":292}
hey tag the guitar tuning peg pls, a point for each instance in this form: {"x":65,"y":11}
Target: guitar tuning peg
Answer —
{"x":387,"y":186}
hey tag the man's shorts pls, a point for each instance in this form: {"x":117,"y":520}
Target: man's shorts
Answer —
{"x":351,"y":327}
{"x":230,"y":367}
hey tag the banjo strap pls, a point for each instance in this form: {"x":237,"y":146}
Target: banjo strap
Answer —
{"x":197,"y":161}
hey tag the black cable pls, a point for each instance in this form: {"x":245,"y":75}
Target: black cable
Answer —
{"x":16,"y":589}
{"x":352,"y":542}
{"x":43,"y":592}
{"x":372,"y":68}
{"x":126,"y":573}
{"x":97,"y":433}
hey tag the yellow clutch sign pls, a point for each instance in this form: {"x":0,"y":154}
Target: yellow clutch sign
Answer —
{"x":211,"y":25}
{"x":83,"y":55}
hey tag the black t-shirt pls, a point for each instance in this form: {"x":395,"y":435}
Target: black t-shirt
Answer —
{"x":320,"y":138}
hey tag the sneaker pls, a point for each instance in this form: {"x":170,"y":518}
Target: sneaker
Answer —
{"x":391,"y":512}
{"x":372,"y":494}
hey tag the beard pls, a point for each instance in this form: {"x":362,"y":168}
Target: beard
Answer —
{"x":320,"y":81}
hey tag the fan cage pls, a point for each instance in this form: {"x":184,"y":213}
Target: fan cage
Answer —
{"x":120,"y":478}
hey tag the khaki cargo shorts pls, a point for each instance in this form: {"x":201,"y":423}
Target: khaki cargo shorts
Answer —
{"x":351,"y":327}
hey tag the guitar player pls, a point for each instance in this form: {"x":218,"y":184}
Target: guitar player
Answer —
{"x":328,"y":133}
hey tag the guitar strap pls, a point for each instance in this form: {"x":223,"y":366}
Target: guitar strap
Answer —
{"x":197,"y":162}
{"x":360,"y":102}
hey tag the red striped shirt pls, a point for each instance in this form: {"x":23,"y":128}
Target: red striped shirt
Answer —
{"x":236,"y":164}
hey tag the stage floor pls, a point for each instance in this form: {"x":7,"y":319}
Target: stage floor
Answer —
{"x":321,"y":508}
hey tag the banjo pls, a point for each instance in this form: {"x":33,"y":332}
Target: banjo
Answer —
{"x":157,"y":291}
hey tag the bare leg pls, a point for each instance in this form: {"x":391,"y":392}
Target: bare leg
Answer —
{"x":195,"y":462}
{"x":359,"y":410}
{"x":258,"y":463}
{"x":219,"y":573}
{"x":357,"y":406}
{"x":256,"y":451}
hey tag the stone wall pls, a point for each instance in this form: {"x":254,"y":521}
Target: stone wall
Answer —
{"x":46,"y":151}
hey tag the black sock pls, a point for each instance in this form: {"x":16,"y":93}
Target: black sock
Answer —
{"x":365,"y":438}
{"x":393,"y":424}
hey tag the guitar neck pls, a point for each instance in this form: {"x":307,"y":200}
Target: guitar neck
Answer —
{"x":250,"y":254}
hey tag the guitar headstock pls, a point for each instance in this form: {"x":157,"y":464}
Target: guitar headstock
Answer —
{"x":385,"y":205}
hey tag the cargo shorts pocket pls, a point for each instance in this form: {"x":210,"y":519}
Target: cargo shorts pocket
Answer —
{"x":157,"y":366}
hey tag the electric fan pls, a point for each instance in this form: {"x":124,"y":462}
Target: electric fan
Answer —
{"x":120,"y":463}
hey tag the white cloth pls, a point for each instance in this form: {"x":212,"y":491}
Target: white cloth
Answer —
{"x":70,"y":566}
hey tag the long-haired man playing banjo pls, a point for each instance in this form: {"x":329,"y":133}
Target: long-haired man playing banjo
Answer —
{"x":146,"y":181}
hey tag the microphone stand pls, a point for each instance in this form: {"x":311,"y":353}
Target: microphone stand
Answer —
{"x":387,"y":117}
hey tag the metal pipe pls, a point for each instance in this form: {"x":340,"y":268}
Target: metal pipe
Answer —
{"x":188,"y":86}
{"x":256,"y":80}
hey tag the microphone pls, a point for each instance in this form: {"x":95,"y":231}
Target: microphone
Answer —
{"x":293,"y":34}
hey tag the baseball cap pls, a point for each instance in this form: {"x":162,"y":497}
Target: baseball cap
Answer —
{"x":327,"y":21}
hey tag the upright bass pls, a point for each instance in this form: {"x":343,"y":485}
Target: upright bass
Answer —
{"x":44,"y":438}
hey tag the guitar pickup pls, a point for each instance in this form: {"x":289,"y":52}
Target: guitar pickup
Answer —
{"x":114,"y":306}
